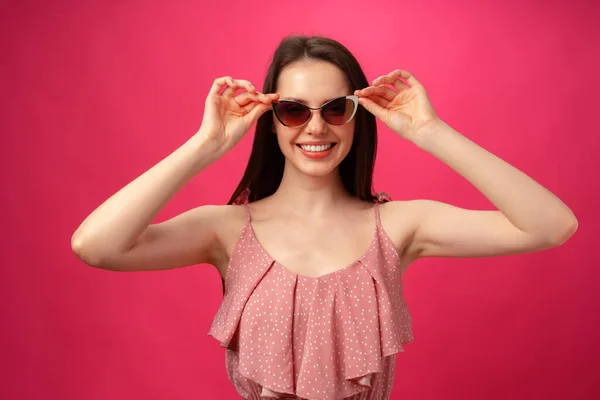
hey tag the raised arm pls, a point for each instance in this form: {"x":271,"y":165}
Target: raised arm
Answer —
{"x":119,"y":236}
{"x":528,"y":217}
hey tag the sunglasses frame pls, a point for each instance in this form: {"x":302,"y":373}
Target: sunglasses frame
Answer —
{"x":354,"y":99}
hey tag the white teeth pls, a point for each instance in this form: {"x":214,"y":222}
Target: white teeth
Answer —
{"x":316,"y":148}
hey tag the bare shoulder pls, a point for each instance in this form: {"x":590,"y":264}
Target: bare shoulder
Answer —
{"x":403,"y":219}
{"x":406,"y":212}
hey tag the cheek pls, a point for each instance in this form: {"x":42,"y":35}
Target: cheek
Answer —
{"x":346,"y":134}
{"x":284,"y":137}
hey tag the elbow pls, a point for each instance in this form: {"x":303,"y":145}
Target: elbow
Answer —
{"x":85,"y":252}
{"x":566,"y":233}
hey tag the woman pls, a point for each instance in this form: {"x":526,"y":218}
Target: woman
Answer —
{"x":310,"y":258}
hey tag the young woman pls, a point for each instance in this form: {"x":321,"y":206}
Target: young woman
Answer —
{"x":311,"y":259}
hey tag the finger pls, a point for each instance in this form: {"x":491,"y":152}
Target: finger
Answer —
{"x":380,"y":101}
{"x":236,"y":84}
{"x":267,"y":98}
{"x":400,"y":85}
{"x":231,"y":88}
{"x":263,"y":98}
{"x":374,"y":108}
{"x":407,"y":76}
{"x":218,"y":84}
{"x":243,"y":99}
{"x":394,"y":78}
{"x":250,"y":107}
{"x":242,"y":83}
{"x":381,"y":90}
{"x":387,"y":80}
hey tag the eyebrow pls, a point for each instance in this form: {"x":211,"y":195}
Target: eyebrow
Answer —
{"x":294,"y":99}
{"x":305,"y":102}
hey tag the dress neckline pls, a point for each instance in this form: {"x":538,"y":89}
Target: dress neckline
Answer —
{"x":297,"y":275}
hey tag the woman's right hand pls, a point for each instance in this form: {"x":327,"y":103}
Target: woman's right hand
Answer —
{"x":227,"y":117}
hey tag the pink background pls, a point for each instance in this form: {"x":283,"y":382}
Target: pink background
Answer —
{"x":94,"y":95}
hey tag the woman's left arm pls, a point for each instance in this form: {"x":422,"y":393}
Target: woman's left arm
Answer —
{"x":529,"y":217}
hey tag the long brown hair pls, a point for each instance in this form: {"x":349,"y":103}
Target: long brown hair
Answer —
{"x":265,"y":168}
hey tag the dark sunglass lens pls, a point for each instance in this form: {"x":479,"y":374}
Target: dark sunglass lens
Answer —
{"x":339,"y":111}
{"x":292,"y":114}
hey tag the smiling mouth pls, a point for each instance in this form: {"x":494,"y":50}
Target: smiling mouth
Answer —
{"x":316,"y":148}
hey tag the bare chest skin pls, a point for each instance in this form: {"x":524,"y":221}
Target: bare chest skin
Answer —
{"x":314,"y":247}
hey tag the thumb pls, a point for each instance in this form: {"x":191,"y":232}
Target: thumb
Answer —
{"x":373,"y":108}
{"x":256,"y":112}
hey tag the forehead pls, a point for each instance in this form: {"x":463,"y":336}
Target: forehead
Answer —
{"x":313,"y":82}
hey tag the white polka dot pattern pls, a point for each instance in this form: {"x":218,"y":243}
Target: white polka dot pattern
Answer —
{"x":335,"y":336}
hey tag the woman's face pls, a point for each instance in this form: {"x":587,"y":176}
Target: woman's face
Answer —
{"x":316,"y":148}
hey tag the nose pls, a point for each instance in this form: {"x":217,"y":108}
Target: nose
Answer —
{"x":316,"y":125}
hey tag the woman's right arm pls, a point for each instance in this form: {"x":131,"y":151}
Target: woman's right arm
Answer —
{"x":119,"y":236}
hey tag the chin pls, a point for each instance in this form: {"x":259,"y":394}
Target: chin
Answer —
{"x":317,"y":171}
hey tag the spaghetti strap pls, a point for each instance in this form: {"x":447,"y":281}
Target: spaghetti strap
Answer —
{"x":381,"y":197}
{"x":377,"y":216}
{"x":248,"y":217}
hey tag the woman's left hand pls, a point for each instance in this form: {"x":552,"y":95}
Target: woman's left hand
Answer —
{"x":403,"y":106}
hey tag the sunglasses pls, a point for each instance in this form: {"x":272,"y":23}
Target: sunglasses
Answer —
{"x":338,"y":111}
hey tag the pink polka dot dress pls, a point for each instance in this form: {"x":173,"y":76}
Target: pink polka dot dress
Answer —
{"x":290,"y":336}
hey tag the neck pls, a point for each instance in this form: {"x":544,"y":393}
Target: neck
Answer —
{"x":310,"y":195}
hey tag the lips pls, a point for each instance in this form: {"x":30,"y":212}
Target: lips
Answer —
{"x":316,"y":151}
{"x":316,"y":148}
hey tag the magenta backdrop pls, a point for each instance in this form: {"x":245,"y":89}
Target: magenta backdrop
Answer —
{"x":96,"y":94}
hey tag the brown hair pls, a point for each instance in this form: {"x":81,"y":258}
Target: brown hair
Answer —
{"x":265,"y":167}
